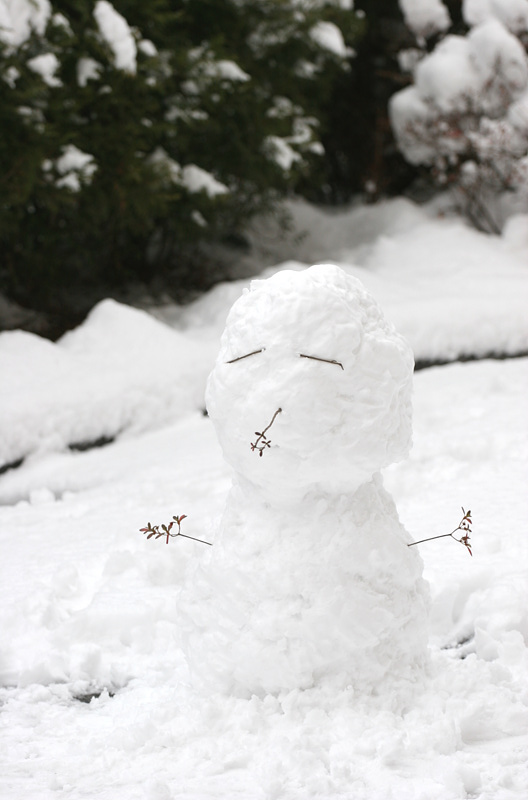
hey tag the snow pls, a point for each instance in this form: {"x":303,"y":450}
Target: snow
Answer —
{"x":226,"y":70}
{"x":117,"y":34}
{"x":46,"y":65}
{"x":494,"y":48}
{"x":459,"y":107}
{"x":329,"y":37}
{"x":448,"y":289}
{"x":448,"y":75}
{"x":518,"y":114}
{"x":512,"y":13}
{"x":280,"y":151}
{"x":19,"y":17}
{"x":196,"y":179}
{"x":146,"y":357}
{"x":193,"y":178}
{"x":90,"y":606}
{"x":74,"y":165}
{"x":148,"y":48}
{"x":88,"y":69}
{"x":425,"y":17}
{"x":310,"y":548}
{"x":165,"y":165}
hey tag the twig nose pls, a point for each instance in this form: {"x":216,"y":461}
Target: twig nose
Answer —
{"x":260,"y":443}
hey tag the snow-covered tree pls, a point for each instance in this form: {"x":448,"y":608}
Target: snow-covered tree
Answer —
{"x":466,"y":114}
{"x":132,"y":130}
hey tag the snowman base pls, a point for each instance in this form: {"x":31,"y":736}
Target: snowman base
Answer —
{"x":326,"y":591}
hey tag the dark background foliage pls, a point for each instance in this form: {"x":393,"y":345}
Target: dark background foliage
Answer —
{"x":129,"y":224}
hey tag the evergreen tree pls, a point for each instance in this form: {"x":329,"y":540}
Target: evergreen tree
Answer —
{"x":134,"y":131}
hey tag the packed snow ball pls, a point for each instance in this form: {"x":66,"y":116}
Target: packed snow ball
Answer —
{"x":315,"y":344}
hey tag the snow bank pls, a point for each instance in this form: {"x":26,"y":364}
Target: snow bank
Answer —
{"x":120,"y":370}
{"x":449,"y":290}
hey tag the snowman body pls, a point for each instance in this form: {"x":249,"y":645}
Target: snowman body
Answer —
{"x":311,"y":579}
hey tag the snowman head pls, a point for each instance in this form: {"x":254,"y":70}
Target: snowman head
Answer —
{"x":315,"y":345}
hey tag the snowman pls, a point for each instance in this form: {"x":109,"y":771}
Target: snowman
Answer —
{"x":310,"y":580}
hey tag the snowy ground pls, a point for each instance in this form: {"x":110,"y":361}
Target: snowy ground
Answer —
{"x":90,"y":606}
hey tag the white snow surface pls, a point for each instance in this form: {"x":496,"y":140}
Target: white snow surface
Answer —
{"x":91,"y":607}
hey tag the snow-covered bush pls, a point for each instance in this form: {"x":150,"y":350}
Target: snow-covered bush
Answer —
{"x":132,"y":130}
{"x":465,"y":116}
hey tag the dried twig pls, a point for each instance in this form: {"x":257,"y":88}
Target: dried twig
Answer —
{"x":239,"y":358}
{"x":325,"y":360}
{"x":158,"y":531}
{"x":261,"y":442}
{"x":464,"y":525}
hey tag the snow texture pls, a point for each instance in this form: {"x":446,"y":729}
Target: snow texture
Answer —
{"x":312,"y":566}
{"x":90,"y":609}
{"x":358,"y":419}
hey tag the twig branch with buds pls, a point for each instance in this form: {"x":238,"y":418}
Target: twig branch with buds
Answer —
{"x":157,"y":531}
{"x":261,"y":442}
{"x":464,"y":525}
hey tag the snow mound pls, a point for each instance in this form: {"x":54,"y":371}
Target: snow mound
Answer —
{"x":121,"y":370}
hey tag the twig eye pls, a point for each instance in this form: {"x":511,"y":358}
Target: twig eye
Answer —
{"x":326,"y":360}
{"x":239,"y":358}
